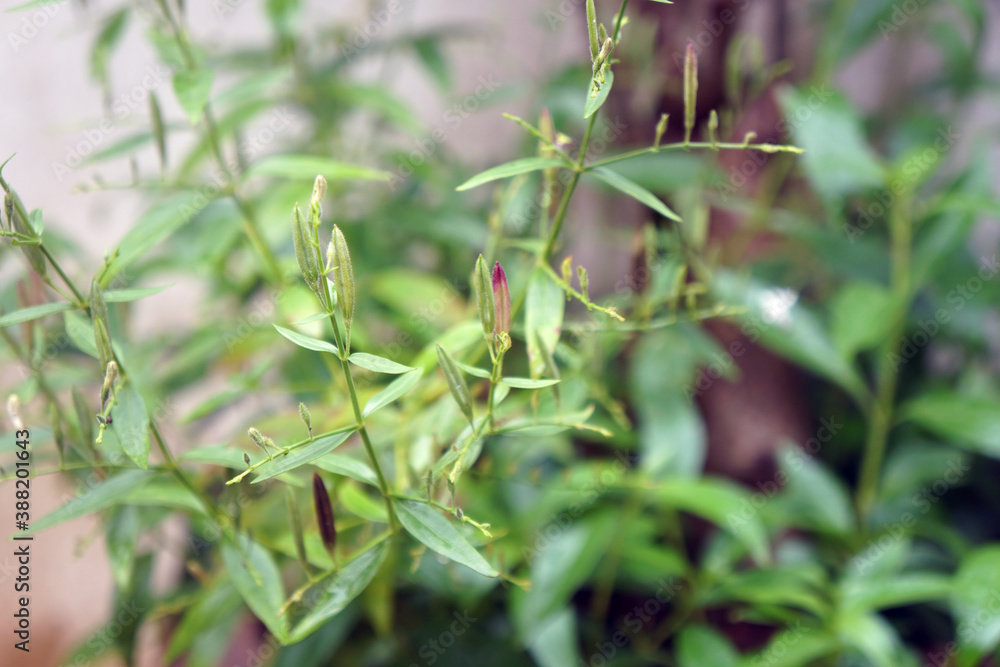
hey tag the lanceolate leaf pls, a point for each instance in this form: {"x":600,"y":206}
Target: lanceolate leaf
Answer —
{"x":255,"y":575}
{"x":33,"y":313}
{"x":308,"y":342}
{"x":130,"y":422}
{"x":336,"y":590}
{"x":522,"y":166}
{"x":93,"y":499}
{"x":300,"y":456}
{"x":393,"y":390}
{"x":306,"y":167}
{"x":527,"y":383}
{"x":123,"y":295}
{"x":193,"y":88}
{"x":378,"y":364}
{"x":634,"y":190}
{"x":428,"y":526}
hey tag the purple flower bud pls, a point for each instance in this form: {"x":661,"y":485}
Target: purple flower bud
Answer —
{"x":501,"y":300}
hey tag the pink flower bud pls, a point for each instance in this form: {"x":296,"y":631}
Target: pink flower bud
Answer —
{"x":501,"y":300}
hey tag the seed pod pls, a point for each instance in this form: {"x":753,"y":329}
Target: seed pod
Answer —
{"x":83,"y":415}
{"x":343,"y":281}
{"x":324,"y":515}
{"x":592,"y":29}
{"x":157,"y":119}
{"x":484,"y":296}
{"x":110,"y":376}
{"x":296,"y":522}
{"x":567,"y":271}
{"x":14,"y":411}
{"x":305,"y":253}
{"x":713,"y":126}
{"x":501,"y":300}
{"x":690,"y":89}
{"x":105,"y":353}
{"x":661,"y":128}
{"x":306,"y":417}
{"x":581,"y":273}
{"x":456,"y":382}
{"x":607,"y":47}
{"x":246,"y":459}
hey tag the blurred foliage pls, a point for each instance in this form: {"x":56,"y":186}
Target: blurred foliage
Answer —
{"x":561,"y":482}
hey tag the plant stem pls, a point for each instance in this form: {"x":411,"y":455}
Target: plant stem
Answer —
{"x":767,"y":148}
{"x":886,"y":373}
{"x":383,"y":483}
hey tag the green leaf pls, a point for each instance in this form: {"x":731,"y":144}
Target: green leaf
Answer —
{"x":545,"y":304}
{"x":378,"y":364}
{"x":131,"y":425}
{"x":81,"y":331}
{"x":155,"y":227}
{"x":94,"y":499}
{"x":722,"y":503}
{"x":474,"y":371}
{"x":527,"y":383}
{"x":360,"y":504}
{"x":109,"y":36}
{"x":595,"y":102}
{"x":522,"y":166}
{"x":700,"y":645}
{"x":976,"y":603}
{"x":392,"y":391}
{"x":873,"y":594}
{"x":860,"y":317}
{"x":972,"y":422}
{"x":634,"y":190}
{"x":210,"y":605}
{"x":124,"y":295}
{"x":193,"y":88}
{"x":300,"y":456}
{"x":308,"y":342}
{"x":312,"y":318}
{"x":797,"y":647}
{"x":348,"y":467}
{"x":429,"y":527}
{"x":33,"y":313}
{"x":307,"y":167}
{"x":334,"y":591}
{"x":122,"y":530}
{"x":554,"y":641}
{"x":253,"y":573}
{"x":814,"y":497}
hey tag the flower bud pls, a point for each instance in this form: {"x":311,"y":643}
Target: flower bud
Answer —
{"x":261,"y":441}
{"x":306,"y":417}
{"x":324,"y":515}
{"x":501,"y":300}
{"x":690,"y":89}
{"x":661,"y":128}
{"x":110,"y":376}
{"x":484,"y":296}
{"x":343,"y":280}
{"x":713,"y":127}
{"x":456,"y":382}
{"x":246,"y":459}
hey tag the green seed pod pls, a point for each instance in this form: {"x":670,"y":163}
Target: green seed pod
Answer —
{"x":296,"y":523}
{"x":713,"y":127}
{"x":343,"y":281}
{"x":456,"y":382}
{"x":690,"y":89}
{"x":306,"y":417}
{"x":107,"y":388}
{"x":305,"y":253}
{"x":156,"y":117}
{"x":567,"y":270}
{"x":592,"y":29}
{"x":105,"y":354}
{"x":501,"y":300}
{"x":324,"y":516}
{"x":84,"y":416}
{"x":581,"y":273}
{"x":484,"y":296}
{"x":661,"y":128}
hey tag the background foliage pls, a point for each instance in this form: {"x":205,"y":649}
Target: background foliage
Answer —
{"x":581,"y":526}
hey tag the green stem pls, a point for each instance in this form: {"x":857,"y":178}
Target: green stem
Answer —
{"x":383,"y":483}
{"x":767,"y":148}
{"x":886,"y":373}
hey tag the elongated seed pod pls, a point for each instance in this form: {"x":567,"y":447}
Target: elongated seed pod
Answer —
{"x":690,"y":89}
{"x":484,"y":296}
{"x":343,"y":281}
{"x":592,"y":29}
{"x":306,"y":417}
{"x":324,"y":515}
{"x":456,"y":382}
{"x":661,"y":128}
{"x":305,"y":254}
{"x":110,"y":376}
